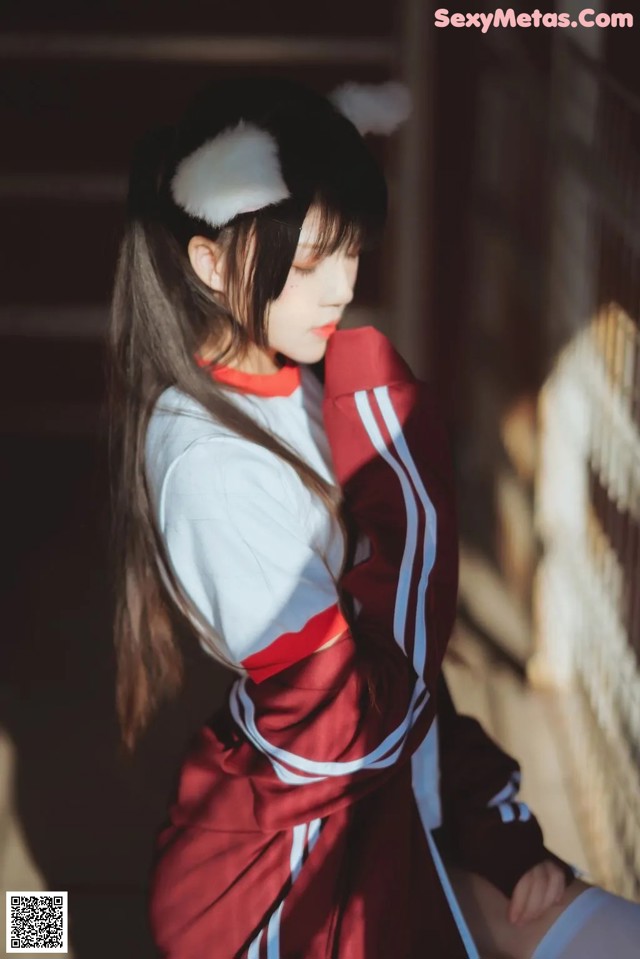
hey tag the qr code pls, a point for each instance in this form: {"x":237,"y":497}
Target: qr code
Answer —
{"x":36,"y":922}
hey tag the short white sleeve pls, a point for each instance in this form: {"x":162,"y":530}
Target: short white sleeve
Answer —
{"x":233,"y":518}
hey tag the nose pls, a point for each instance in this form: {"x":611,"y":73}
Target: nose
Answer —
{"x":341,"y":278}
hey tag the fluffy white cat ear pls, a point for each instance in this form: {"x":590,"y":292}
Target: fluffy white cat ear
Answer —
{"x":237,"y":171}
{"x":373,"y":108}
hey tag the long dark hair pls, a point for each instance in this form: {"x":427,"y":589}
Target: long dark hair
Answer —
{"x":162,"y":314}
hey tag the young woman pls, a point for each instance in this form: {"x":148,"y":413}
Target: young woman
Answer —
{"x":298,"y":515}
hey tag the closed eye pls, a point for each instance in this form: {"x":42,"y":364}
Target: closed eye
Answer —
{"x":305,"y":270}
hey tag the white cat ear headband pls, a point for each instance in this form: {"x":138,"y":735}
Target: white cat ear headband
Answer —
{"x":238,"y":171}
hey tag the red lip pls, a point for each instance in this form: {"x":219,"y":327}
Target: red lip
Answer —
{"x":327,"y":330}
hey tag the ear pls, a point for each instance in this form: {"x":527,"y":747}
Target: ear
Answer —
{"x":207,"y":259}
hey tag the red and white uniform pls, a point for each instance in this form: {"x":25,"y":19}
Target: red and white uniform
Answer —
{"x":303,"y":824}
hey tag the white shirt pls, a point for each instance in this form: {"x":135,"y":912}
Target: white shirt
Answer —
{"x":245,"y":537}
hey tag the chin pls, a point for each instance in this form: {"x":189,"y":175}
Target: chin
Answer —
{"x":309,"y":353}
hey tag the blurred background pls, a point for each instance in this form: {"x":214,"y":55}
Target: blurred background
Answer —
{"x":510,"y":277}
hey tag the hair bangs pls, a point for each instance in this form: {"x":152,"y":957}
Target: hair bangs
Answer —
{"x":337,"y":230}
{"x":349,"y":201}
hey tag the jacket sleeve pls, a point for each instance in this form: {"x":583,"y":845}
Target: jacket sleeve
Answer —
{"x":392,"y":458}
{"x":486,"y":828}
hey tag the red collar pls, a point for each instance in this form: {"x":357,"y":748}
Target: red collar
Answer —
{"x":282,"y":383}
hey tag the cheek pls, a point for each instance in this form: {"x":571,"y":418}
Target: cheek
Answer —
{"x":287,"y":304}
{"x":284,"y":302}
{"x":296,"y":290}
{"x":295,"y":283}
{"x":290,"y":289}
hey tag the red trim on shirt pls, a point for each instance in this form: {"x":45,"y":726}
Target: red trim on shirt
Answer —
{"x":282,"y":383}
{"x":291,"y":647}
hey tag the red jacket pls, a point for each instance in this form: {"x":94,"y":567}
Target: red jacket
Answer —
{"x":304,"y":821}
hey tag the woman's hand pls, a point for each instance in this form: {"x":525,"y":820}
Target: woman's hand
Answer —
{"x":541,"y":887}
